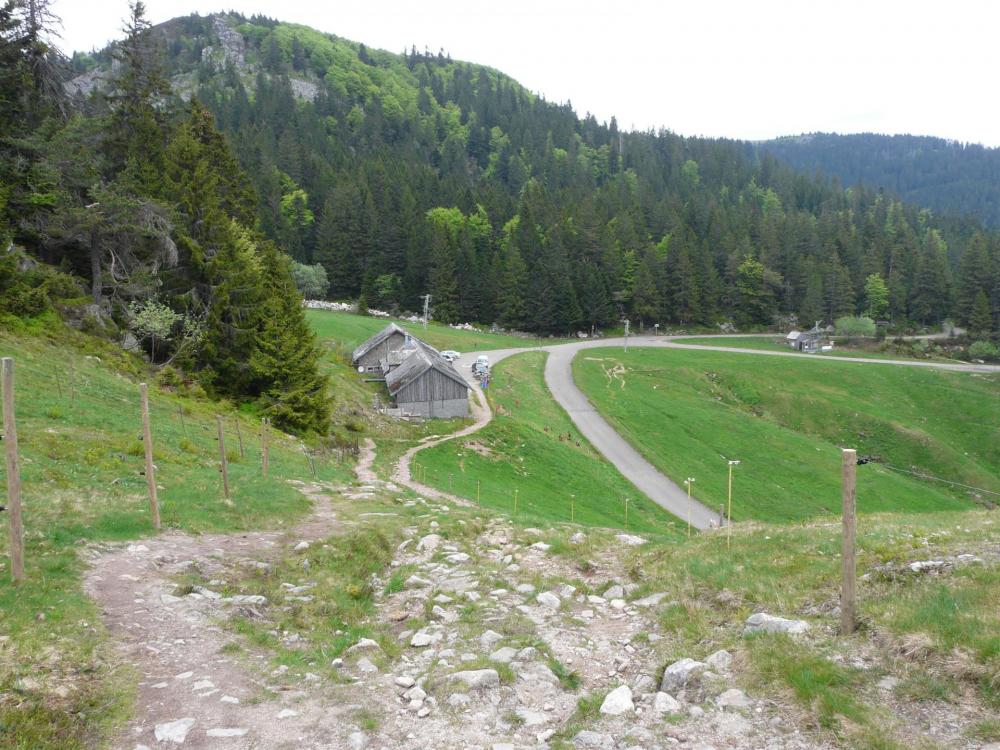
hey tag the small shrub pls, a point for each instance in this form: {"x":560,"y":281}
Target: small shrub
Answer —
{"x":984,"y":350}
{"x":854,"y":327}
{"x":54,"y":412}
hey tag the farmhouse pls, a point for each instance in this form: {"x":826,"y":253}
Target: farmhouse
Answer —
{"x":420,"y":381}
{"x":427,"y":385}
{"x":370,"y":354}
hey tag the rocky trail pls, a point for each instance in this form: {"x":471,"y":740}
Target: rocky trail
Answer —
{"x":495,"y":647}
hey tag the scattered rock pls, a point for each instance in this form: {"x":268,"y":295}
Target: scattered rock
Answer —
{"x":287,"y":713}
{"x":578,"y":538}
{"x":173,"y":731}
{"x":524,"y":588}
{"x":416,"y":582}
{"x":650,"y":601}
{"x":664,"y":703}
{"x":541,"y":546}
{"x":762,"y":622}
{"x":503,"y":655}
{"x":720,"y":661}
{"x":588,"y":739}
{"x":429,"y":543}
{"x":365,"y":644}
{"x":301,"y":546}
{"x":365,"y":666}
{"x":422,"y":638}
{"x":478,"y":679}
{"x":618,"y":701}
{"x":548,"y":599}
{"x":680,"y":673}
{"x":630,"y":539}
{"x":227,"y":732}
{"x":357,"y":740}
{"x":615,"y":592}
{"x":405,"y":681}
{"x":733,"y":698}
{"x":490,"y":638}
{"x":921,"y":566}
{"x":888,"y":683}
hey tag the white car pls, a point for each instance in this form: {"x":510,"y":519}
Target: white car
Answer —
{"x":450,"y":354}
{"x":482,"y":364}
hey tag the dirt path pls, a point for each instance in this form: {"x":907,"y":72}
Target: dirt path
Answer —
{"x":186,"y":678}
{"x":401,"y":472}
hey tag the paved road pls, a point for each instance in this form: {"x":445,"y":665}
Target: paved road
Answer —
{"x":656,"y":485}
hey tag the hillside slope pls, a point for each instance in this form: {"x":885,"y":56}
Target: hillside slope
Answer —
{"x":946,"y":176}
{"x":414,"y":173}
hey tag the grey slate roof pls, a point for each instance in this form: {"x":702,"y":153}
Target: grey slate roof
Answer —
{"x":375,"y":340}
{"x":422,"y":359}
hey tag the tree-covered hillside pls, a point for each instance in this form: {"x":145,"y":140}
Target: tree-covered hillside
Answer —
{"x":946,"y":176}
{"x":414,"y":173}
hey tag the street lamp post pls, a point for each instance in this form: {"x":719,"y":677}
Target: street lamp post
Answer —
{"x":688,"y":482}
{"x":729,"y":512}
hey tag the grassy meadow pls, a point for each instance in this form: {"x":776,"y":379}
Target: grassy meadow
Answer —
{"x":347,"y":330}
{"x":532,"y":445}
{"x":79,"y":433}
{"x":689,"y":412}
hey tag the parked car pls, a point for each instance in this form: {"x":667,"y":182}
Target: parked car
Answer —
{"x":451,"y":355}
{"x":481,"y":365}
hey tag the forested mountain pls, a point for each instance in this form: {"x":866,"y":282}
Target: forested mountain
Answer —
{"x":946,"y":176}
{"x":414,"y":173}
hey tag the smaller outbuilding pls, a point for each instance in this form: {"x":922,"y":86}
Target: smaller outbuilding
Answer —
{"x":806,"y":341}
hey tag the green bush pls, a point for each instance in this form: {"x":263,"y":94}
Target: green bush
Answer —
{"x":984,"y":350}
{"x":853,"y":327}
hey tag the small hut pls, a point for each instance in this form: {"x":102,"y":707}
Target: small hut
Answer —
{"x":427,"y":385}
{"x":369,"y":355}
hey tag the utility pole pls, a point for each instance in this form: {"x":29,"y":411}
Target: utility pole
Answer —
{"x":729,"y":514}
{"x":626,"y":334}
{"x":427,"y":305}
{"x":688,"y":482}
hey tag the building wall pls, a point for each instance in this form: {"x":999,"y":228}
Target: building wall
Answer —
{"x":434,"y":395}
{"x":432,"y":386}
{"x":455,"y":407}
{"x":371,"y":357}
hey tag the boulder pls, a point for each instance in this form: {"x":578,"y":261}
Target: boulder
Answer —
{"x":416,"y":582}
{"x":733,"y":698}
{"x":365,"y":644}
{"x":490,"y":638}
{"x":548,"y":599}
{"x":650,"y":601}
{"x":587,"y":739}
{"x":504,"y":655}
{"x":478,"y":679}
{"x":720,"y":661}
{"x":679,"y":674}
{"x":173,"y":731}
{"x":762,"y":622}
{"x":664,"y":703}
{"x":615,"y":592}
{"x":618,"y":701}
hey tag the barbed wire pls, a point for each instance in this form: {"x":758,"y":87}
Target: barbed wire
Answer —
{"x":939,"y":479}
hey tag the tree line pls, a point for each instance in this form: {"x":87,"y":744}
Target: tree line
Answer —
{"x":413,"y":173}
{"x":140,"y":194}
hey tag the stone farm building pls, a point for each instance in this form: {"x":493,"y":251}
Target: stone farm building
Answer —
{"x":420,"y":381}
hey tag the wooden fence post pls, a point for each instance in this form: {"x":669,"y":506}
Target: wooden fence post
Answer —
{"x":848,"y":621}
{"x":264,"y":454}
{"x":222,"y":457}
{"x":147,"y":444}
{"x":13,"y":474}
{"x":239,"y":437}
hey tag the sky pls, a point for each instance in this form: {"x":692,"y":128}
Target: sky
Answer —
{"x":719,"y":68}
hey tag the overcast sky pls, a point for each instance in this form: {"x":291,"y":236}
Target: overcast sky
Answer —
{"x":732,"y":68}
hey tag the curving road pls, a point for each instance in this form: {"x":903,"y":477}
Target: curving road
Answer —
{"x":650,"y":480}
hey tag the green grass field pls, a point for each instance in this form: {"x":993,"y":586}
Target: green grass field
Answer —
{"x":347,"y":331}
{"x":79,"y":433}
{"x":532,"y":446}
{"x":688,"y":412}
{"x":871,"y":350}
